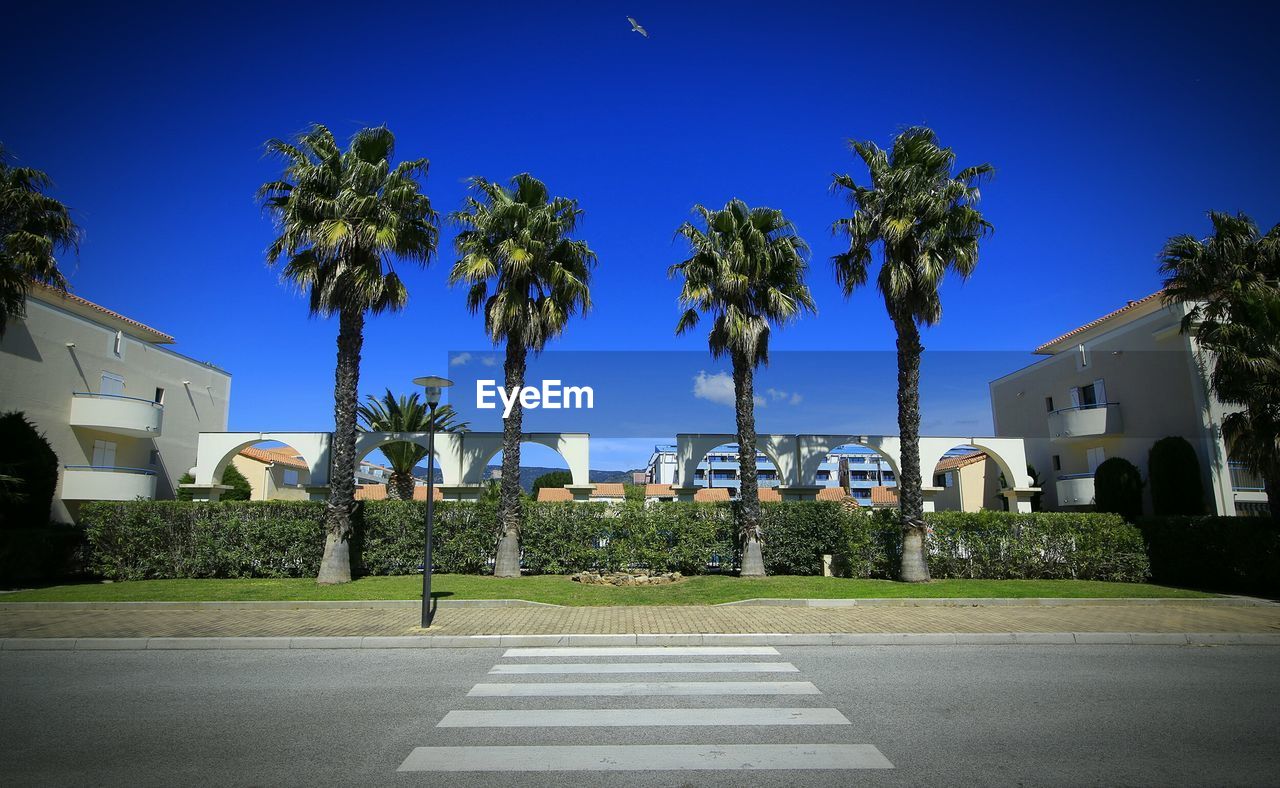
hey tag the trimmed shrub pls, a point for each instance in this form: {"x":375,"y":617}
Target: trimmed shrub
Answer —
{"x":1174,"y":473}
{"x":240,"y":490}
{"x":31,"y":468}
{"x":1231,"y":554}
{"x":164,"y":539}
{"x":1037,"y":546}
{"x":35,"y":555}
{"x":1117,"y":488}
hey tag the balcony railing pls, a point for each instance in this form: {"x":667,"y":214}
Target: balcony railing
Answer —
{"x":1075,"y":489}
{"x":107,"y":483}
{"x":1243,"y":480}
{"x":117,"y":413}
{"x":1085,"y":421}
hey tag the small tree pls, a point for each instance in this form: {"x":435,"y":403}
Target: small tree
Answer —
{"x":1117,"y":487}
{"x":185,"y":493}
{"x":30,"y":462}
{"x":1174,"y":470}
{"x":553,"y":479}
{"x":240,"y":490}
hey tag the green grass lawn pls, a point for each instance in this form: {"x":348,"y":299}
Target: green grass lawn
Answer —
{"x":706,"y":590}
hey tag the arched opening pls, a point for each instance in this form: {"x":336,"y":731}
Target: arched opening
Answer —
{"x":536,"y":460}
{"x":394,"y":465}
{"x":720,"y":469}
{"x":967,"y":478}
{"x":863,"y":473}
{"x":264,"y":470}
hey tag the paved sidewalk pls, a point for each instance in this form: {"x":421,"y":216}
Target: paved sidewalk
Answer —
{"x":159,"y":621}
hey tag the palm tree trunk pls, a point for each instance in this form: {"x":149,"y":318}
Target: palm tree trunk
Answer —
{"x":335,"y":567}
{"x":400,"y":486}
{"x":748,"y":485}
{"x":507,"y":562}
{"x":914,"y":569}
{"x":1271,"y":485}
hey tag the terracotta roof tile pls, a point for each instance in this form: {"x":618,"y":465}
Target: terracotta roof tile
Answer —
{"x":658,"y":491}
{"x":710,"y":494}
{"x":831,"y":494}
{"x":884,"y":496}
{"x":1127,"y":307}
{"x":609,"y":490}
{"x":770,"y":495}
{"x":554,"y":494}
{"x":283,"y":456}
{"x":959,"y":461}
{"x":378,"y":492}
{"x":158,"y":337}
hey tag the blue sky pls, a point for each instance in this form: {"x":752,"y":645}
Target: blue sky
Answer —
{"x":1111,"y":127}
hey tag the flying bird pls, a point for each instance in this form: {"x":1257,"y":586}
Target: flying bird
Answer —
{"x":635,"y":27}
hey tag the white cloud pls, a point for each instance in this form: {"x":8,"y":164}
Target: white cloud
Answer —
{"x":795,"y":399}
{"x":718,"y":388}
{"x":778,"y":395}
{"x":460,"y":360}
{"x":489,"y":361}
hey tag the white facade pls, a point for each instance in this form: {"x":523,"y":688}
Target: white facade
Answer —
{"x":121,"y":410}
{"x":1112,"y":388}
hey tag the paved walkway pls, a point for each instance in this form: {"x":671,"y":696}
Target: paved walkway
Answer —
{"x":158,"y":621}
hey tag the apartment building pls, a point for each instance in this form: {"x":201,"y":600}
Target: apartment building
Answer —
{"x":861,"y":470}
{"x":1112,"y":388}
{"x":121,"y":409}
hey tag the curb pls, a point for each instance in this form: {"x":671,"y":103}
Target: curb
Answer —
{"x":1222,"y":601}
{"x":314,"y":604}
{"x":396,"y":604}
{"x":505,"y":641}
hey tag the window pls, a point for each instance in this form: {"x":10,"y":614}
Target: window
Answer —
{"x":155,"y":457}
{"x":291,"y":478}
{"x":824,"y":475}
{"x":1082,"y":357}
{"x":1088,"y":396}
{"x":1057,"y":462}
{"x":159,"y":396}
{"x":117,"y":345}
{"x":104,"y":454}
{"x":1048,"y":404}
{"x":943,"y":480}
{"x":111,"y":384}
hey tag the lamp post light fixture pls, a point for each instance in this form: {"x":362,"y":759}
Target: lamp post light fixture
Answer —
{"x":434,"y":387}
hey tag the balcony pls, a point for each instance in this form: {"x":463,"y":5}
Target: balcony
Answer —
{"x":1086,"y":421}
{"x":106,"y":483}
{"x":139,"y":418}
{"x":1075,"y":490}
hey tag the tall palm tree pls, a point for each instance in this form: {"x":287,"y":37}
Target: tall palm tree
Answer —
{"x":925,"y":221}
{"x":342,"y":218}
{"x":405,"y":414}
{"x":1231,"y":283}
{"x":528,"y":277}
{"x":746,"y":272}
{"x":33,"y":228}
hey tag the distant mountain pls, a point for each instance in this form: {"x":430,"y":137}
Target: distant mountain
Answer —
{"x":530,"y":473}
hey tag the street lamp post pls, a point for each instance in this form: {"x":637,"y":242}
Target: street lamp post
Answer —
{"x":434,"y":387}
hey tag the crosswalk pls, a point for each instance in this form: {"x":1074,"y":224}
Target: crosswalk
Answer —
{"x":534,"y":673}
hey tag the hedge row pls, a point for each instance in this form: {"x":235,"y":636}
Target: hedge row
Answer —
{"x":1240,"y":554}
{"x":169,"y":539}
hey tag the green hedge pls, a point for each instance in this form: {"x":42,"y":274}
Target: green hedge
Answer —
{"x":1233,"y":554}
{"x":151,"y":539}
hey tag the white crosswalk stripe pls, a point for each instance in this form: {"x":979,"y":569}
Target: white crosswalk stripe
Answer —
{"x":645,"y":667}
{"x":643,"y":688}
{"x":640,"y":757}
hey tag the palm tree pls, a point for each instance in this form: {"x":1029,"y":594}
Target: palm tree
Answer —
{"x":528,"y":277}
{"x":745,"y":271}
{"x":1230,"y":282}
{"x":342,"y":218}
{"x":33,"y":228}
{"x":404,"y":414}
{"x":926,"y":223}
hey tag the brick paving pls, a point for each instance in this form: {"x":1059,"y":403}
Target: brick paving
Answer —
{"x":147,"y":621}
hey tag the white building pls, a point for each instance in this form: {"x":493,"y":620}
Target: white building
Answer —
{"x":863,"y":469}
{"x":120,"y":408}
{"x":1112,"y":388}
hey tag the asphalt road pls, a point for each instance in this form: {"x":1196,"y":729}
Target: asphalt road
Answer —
{"x":1000,"y":715}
